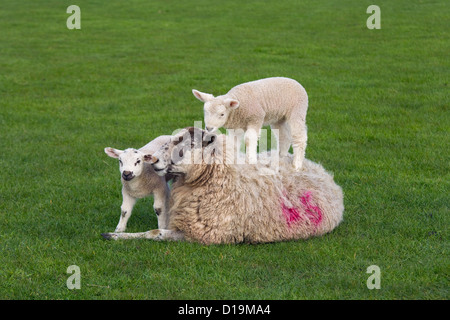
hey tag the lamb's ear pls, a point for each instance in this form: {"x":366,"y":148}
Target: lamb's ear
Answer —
{"x":231,"y":104}
{"x":150,"y":159}
{"x":203,"y":97}
{"x":113,"y":153}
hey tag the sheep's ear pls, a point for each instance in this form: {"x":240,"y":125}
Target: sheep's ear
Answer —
{"x":208,"y":139}
{"x":193,"y":131}
{"x":150,"y":159}
{"x":231,"y":103}
{"x":203,"y":97}
{"x":113,"y":153}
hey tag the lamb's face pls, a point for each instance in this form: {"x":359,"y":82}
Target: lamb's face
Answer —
{"x":215,"y":114}
{"x":216,"y":109}
{"x":184,"y":149}
{"x":131,"y":161}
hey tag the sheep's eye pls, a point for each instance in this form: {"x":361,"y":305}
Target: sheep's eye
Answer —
{"x":120,"y":161}
{"x":222,"y":114}
{"x":137,"y":162}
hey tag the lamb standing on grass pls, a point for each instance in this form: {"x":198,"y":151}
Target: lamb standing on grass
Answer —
{"x":216,"y":202}
{"x":279,"y":102}
{"x":139,"y":180}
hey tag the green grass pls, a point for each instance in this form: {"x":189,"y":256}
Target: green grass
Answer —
{"x":378,"y":118}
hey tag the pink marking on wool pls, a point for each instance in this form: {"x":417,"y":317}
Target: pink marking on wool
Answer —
{"x":313,"y":213}
{"x":291,"y":214}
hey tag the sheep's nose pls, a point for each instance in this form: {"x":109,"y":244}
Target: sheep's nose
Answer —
{"x":127,"y":175}
{"x":209,"y":129}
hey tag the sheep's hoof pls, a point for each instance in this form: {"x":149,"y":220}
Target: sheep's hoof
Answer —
{"x":155,"y":234}
{"x":109,"y":236}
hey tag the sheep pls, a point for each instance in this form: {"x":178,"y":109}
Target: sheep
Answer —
{"x":215,"y":202}
{"x":279,"y":102}
{"x":139,"y":180}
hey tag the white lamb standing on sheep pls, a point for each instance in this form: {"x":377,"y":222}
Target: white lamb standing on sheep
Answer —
{"x":279,"y":102}
{"x":139,"y":180}
{"x":215,"y":202}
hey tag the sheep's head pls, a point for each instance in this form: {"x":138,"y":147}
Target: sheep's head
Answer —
{"x":216,"y":109}
{"x":131,"y":161}
{"x":190,"y":146}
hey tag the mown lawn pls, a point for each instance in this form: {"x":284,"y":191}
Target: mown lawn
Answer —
{"x":378,"y":118}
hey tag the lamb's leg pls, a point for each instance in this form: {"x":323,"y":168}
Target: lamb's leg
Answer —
{"x":283,"y":137}
{"x":299,"y":139}
{"x":233,"y":146}
{"x":156,"y":234}
{"x":251,"y":144}
{"x":161,"y":205}
{"x":128,"y":203}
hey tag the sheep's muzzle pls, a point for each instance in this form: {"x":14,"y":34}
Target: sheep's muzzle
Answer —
{"x":127,"y":175}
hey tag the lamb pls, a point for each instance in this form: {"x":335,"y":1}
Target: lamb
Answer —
{"x":279,"y":102}
{"x":215,"y":202}
{"x":139,"y":180}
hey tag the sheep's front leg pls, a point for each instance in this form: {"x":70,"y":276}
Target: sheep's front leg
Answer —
{"x":128,"y":203}
{"x":157,"y":234}
{"x":251,"y":144}
{"x":161,"y":205}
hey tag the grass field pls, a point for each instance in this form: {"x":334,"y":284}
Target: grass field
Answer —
{"x":378,"y":119}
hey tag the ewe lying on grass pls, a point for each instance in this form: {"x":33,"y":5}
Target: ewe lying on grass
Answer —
{"x":216,"y":202}
{"x":139,"y":180}
{"x":279,"y":102}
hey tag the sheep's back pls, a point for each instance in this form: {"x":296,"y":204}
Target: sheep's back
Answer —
{"x":248,"y":207}
{"x":277,"y":98}
{"x":155,"y":144}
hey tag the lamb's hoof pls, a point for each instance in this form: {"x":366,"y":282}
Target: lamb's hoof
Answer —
{"x":251,"y":160}
{"x":267,"y":171}
{"x":109,"y":236}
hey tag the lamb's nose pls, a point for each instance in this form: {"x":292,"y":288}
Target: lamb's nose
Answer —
{"x":209,"y":129}
{"x":127,"y":174}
